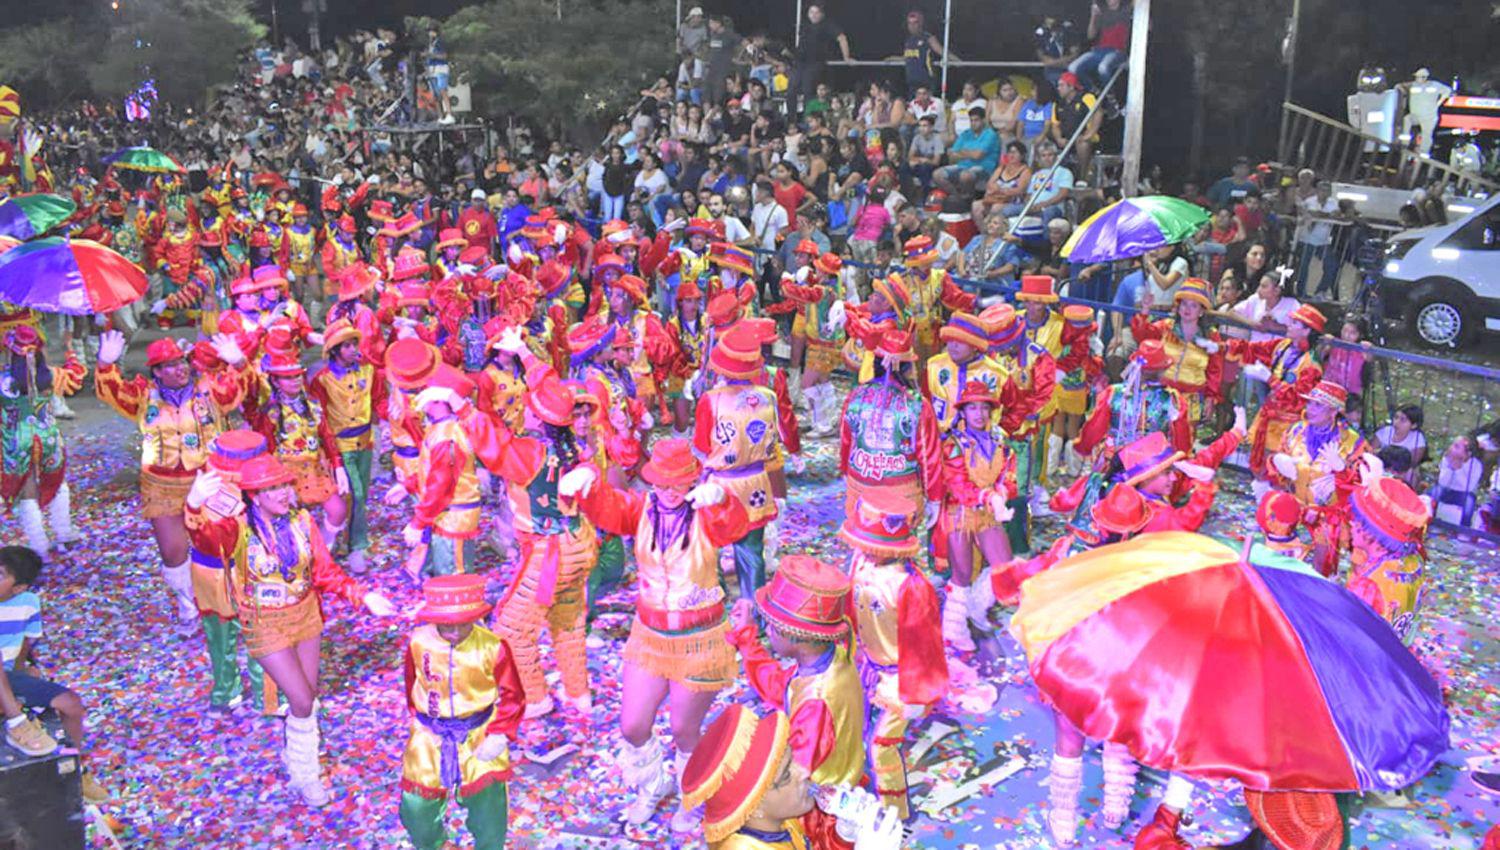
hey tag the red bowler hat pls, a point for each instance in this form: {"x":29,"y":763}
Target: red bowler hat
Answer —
{"x":737,"y":353}
{"x":551,"y":401}
{"x":1330,"y":394}
{"x":735,"y":763}
{"x":1152,"y":355}
{"x":233,"y":449}
{"x":976,"y":391}
{"x":672,"y":464}
{"x":357,"y":279}
{"x":631,"y":284}
{"x":588,"y":338}
{"x":410,"y":362}
{"x":1392,"y":510}
{"x":807,"y":598}
{"x":475,"y":255}
{"x":451,"y":237}
{"x":829,"y":264}
{"x":808,"y":247}
{"x":453,"y":599}
{"x":163,"y":351}
{"x":409,"y":263}
{"x":1309,"y":315}
{"x":1123,"y":510}
{"x":725,"y":309}
{"x":700,"y":227}
{"x":264,"y":472}
{"x":1278,"y":514}
{"x":688,"y":289}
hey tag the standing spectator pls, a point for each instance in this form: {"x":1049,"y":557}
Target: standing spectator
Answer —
{"x":616,"y":184}
{"x":692,"y":34}
{"x":1109,"y":29}
{"x":1005,"y":110}
{"x":1405,"y":430}
{"x":1314,"y":235}
{"x":924,"y":154}
{"x":1166,"y":270}
{"x":478,"y":224}
{"x":870,"y":225}
{"x":969,"y":99}
{"x":1251,"y":215}
{"x":1346,"y":366}
{"x":767,"y":218}
{"x":792,"y":195}
{"x":973,"y":155}
{"x":723,"y":45}
{"x":921,"y":52}
{"x":1034,"y":119}
{"x":1232,"y":189}
{"x":1057,"y":46}
{"x":734,"y":229}
{"x":1460,"y":477}
{"x":1071,"y":112}
{"x":819,"y":38}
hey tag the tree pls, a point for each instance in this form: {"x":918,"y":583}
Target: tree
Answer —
{"x":188,"y":46}
{"x":567,"y":65}
{"x":48,"y":62}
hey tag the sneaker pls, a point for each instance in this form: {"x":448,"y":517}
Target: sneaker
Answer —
{"x":539,"y":709}
{"x":314,"y":794}
{"x":1388,"y":799}
{"x":583,"y":704}
{"x":29,"y":737}
{"x":357,"y":562}
{"x":93,"y":792}
{"x":647,"y":799}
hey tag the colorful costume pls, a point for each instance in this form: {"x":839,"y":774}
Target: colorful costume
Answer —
{"x":1294,"y":372}
{"x":31,"y":444}
{"x":447,"y":490}
{"x":352,"y":399}
{"x":947,"y":378}
{"x":1196,"y":366}
{"x":1390,"y":570}
{"x":932,"y":293}
{"x":1326,"y":515}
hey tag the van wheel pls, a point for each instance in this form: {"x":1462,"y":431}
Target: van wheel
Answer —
{"x":1438,"y":316}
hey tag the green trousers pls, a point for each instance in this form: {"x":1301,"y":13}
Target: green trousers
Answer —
{"x":357,"y":467}
{"x":223,"y":637}
{"x":1018,"y":527}
{"x":608,"y":571}
{"x":750,"y":562}
{"x":487,"y":818}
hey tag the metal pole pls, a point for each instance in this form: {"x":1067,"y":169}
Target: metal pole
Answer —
{"x":677,"y":27}
{"x":1135,"y":99}
{"x":1291,"y":67}
{"x":947,"y":27}
{"x":797,"y":37}
{"x":1063,"y":154}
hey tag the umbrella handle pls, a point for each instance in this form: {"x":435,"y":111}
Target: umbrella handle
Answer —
{"x":1245,"y":552}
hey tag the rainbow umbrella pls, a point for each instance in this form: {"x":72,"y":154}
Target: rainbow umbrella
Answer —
{"x":29,"y":216}
{"x":1252,"y":669}
{"x":142,"y":158}
{"x":1131,"y":227}
{"x":72,"y":276}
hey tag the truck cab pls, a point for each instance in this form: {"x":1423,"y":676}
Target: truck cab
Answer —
{"x":1444,"y":280}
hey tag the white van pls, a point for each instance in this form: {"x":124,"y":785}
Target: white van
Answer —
{"x":1445,"y":279}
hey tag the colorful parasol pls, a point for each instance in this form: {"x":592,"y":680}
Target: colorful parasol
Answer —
{"x":1131,"y":227}
{"x":72,"y":276}
{"x":7,"y":243}
{"x":29,"y":216}
{"x":1258,"y":671}
{"x":143,"y":158}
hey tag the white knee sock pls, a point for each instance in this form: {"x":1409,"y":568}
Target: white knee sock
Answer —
{"x":30,"y":515}
{"x":60,"y":515}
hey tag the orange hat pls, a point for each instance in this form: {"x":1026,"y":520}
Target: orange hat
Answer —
{"x":410,"y":362}
{"x":588,"y":338}
{"x":1037,"y":287}
{"x":1330,"y":394}
{"x":1079,"y":315}
{"x":616,"y":232}
{"x":299,"y":209}
{"x":894,"y":288}
{"x":730,"y":256}
{"x":1195,"y":289}
{"x":700,"y":227}
{"x":808,"y":247}
{"x":337,"y":332}
{"x":1123,"y":510}
{"x":725,"y":309}
{"x":409,"y":263}
{"x":381,"y":211}
{"x":451,"y":237}
{"x":1309,"y":315}
{"x":633,"y":285}
{"x":453,"y":599}
{"x":976,"y":391}
{"x":735,"y":763}
{"x":1392,"y":512}
{"x":1147,"y":457}
{"x":347,"y":224}
{"x":551,"y":401}
{"x":1152,"y":355}
{"x":897,"y":344}
{"x":807,"y":599}
{"x":233,"y":449}
{"x":407,"y":224}
{"x":920,"y":252}
{"x":281,"y":365}
{"x":829,"y":264}
{"x":163,"y":351}
{"x":356,"y":279}
{"x":880,"y":526}
{"x":672,"y":464}
{"x":610,"y":261}
{"x":583,"y":395}
{"x":968,"y":329}
{"x":1304,"y":820}
{"x":737,"y":355}
{"x":688,"y":289}
{"x":264,"y":472}
{"x":1278,"y":514}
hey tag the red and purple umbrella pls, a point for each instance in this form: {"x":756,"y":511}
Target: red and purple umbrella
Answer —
{"x":1256,"y":670}
{"x":72,"y":276}
{"x":29,"y":216}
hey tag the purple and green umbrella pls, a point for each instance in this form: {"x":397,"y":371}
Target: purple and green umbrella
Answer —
{"x":1131,"y":227}
{"x":71,"y":276}
{"x":29,"y":216}
{"x":143,"y":158}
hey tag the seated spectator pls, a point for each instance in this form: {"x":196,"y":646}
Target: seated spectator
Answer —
{"x":1048,"y":189}
{"x":1057,"y":46}
{"x":882,"y":109}
{"x":1109,"y":30}
{"x":1052,"y":263}
{"x":973,"y":155}
{"x":1007,"y":184}
{"x":1405,"y":430}
{"x":959,"y":111}
{"x":1396,"y":460}
{"x":1069,"y":114}
{"x":924,"y":154}
{"x":1034,"y":120}
{"x":993,"y":256}
{"x":923,"y":105}
{"x":1005,"y":110}
{"x":1460,"y":477}
{"x":949,"y":251}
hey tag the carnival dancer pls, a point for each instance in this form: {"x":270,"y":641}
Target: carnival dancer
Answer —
{"x":886,"y":309}
{"x":445,"y":521}
{"x":352,"y":394}
{"x":736,"y":274}
{"x":689,"y":331}
{"x":179,"y":267}
{"x":1387,"y":523}
{"x":409,"y":365}
{"x":1192,"y":344}
{"x":641,"y":330}
{"x":303,"y":264}
{"x":280,"y":310}
{"x":1318,"y":463}
{"x":676,"y":264}
{"x":558,"y":545}
{"x":1290,"y":366}
{"x":806,"y":610}
{"x":355,"y":283}
{"x":979,"y":475}
{"x":964,"y":359}
{"x":600,"y":361}
{"x":451,"y":244}
{"x":800,"y":274}
{"x":178,"y":414}
{"x":888,"y":434}
{"x":279,"y":573}
{"x":817,"y":337}
{"x":933,"y":293}
{"x":34,"y":475}
{"x":1043,"y":327}
{"x":1140,"y":404}
{"x":738,"y":427}
{"x":1157,"y":471}
{"x":248,"y":319}
{"x":300,"y":436}
{"x":677,"y":649}
{"x":1033,"y":370}
{"x":1077,"y":370}
{"x":465,"y":698}
{"x":340,"y":251}
{"x":897,"y":623}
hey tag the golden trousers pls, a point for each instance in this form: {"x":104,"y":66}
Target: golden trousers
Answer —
{"x":523,"y":615}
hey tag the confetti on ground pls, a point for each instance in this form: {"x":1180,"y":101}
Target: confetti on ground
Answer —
{"x":183,"y":779}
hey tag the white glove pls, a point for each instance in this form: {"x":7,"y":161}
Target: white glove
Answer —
{"x":514,"y":254}
{"x":158,"y":306}
{"x":204,"y":486}
{"x":394,"y":496}
{"x":405,"y":328}
{"x":647,"y":421}
{"x":1284,"y":465}
{"x":881,"y":832}
{"x":853,"y":809}
{"x":227,"y":349}
{"x":1207,"y":344}
{"x":411,"y":535}
{"x":578,"y":480}
{"x":1329,"y":459}
{"x":1371,"y":468}
{"x":511,"y":342}
{"x":705,"y":495}
{"x":1174,"y":413}
{"x":1194,"y":471}
{"x":291,"y":278}
{"x":376,"y":603}
{"x":1322,"y":487}
{"x":837,"y":314}
{"x":930,"y":514}
{"x":315,"y":338}
{"x":674,"y":226}
{"x":341,"y":478}
{"x":1239,"y":419}
{"x":492,"y":747}
{"x":913,"y":712}
{"x":1258,"y":371}
{"x":1002,"y":511}
{"x":111,"y":346}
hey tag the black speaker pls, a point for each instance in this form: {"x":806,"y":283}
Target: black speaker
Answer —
{"x":41,"y":805}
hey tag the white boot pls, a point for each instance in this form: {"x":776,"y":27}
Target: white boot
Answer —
{"x":644,"y":771}
{"x":685,"y":821}
{"x":59,"y":407}
{"x":772,"y":539}
{"x":180,"y":580}
{"x":1119,"y":784}
{"x":814,"y":396}
{"x":1064,"y":785}
{"x":794,"y":387}
{"x":331,"y":534}
{"x":832,"y":410}
{"x":1054,"y":455}
{"x":981,"y":600}
{"x":30,"y":514}
{"x":956,"y":618}
{"x":305,"y":775}
{"x":1040,"y":501}
{"x":60,"y":516}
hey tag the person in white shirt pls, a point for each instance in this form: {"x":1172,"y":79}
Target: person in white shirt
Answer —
{"x":734,"y":229}
{"x":968,"y":99}
{"x":923,"y":105}
{"x":1460,"y":477}
{"x":1314,"y":239}
{"x":1268,"y":312}
{"x":767,"y":218}
{"x":1405,"y":430}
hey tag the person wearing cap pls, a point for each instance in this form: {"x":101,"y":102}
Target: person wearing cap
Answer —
{"x":676,"y":264}
{"x":352,"y":394}
{"x":1033,"y":372}
{"x":33,"y":460}
{"x":1292,"y":369}
{"x":1044,"y":327}
{"x":302,"y":261}
{"x":1319,"y":464}
{"x":738,"y":428}
{"x":598,"y":360}
{"x":818,"y":329}
{"x":1158,"y":471}
{"x":410,"y":363}
{"x":677,"y":650}
{"x":898,"y":627}
{"x":736,"y":274}
{"x":1278,"y":515}
{"x":887,"y":309}
{"x":641,"y":331}
{"x":806,"y":611}
{"x":933,"y":294}
{"x":339,"y":251}
{"x":451,"y":243}
{"x":689,"y":333}
{"x":280,"y":574}
{"x":979,"y":475}
{"x":445,"y":520}
{"x":179,"y":266}
{"x":1387,"y":523}
{"x":466,"y":702}
{"x":355,"y":282}
{"x":1192,"y":344}
{"x":964,"y":359}
{"x":1077,"y":369}
{"x":178,"y":414}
